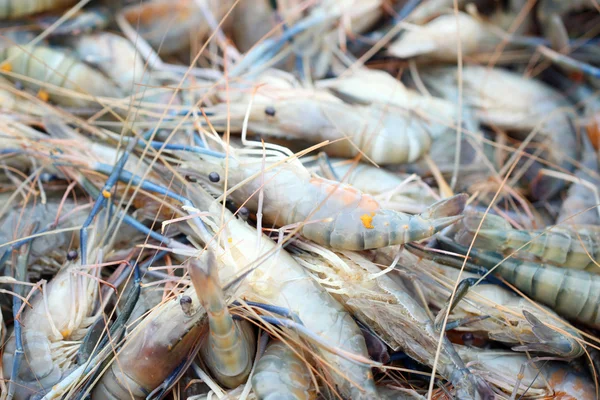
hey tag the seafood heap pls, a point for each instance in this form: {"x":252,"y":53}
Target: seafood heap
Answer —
{"x":334,"y":199}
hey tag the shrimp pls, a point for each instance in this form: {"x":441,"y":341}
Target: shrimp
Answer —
{"x":379,"y":302}
{"x":84,"y":21}
{"x":229,"y":348}
{"x":533,"y":380}
{"x":50,"y":70}
{"x":53,"y":327}
{"x":372,"y":86}
{"x":573,"y":294}
{"x":383,"y":133}
{"x":169,"y":26}
{"x":437,"y":40}
{"x":18,"y":8}
{"x":575,"y":246}
{"x":114,"y":55}
{"x":280,"y":281}
{"x":511,"y":319}
{"x":158,"y":345}
{"x":518,"y":105}
{"x":400,"y":192}
{"x":332,"y":214}
{"x":269,"y":383}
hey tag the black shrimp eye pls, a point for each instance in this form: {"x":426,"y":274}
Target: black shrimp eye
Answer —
{"x":214,"y":177}
{"x":244,"y":213}
{"x":270,"y":111}
{"x":468,"y":338}
{"x":186,"y":304}
{"x":72,"y":255}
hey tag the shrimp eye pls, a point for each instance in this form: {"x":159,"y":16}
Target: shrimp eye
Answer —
{"x":72,"y":255}
{"x":270,"y":111}
{"x":468,"y":338}
{"x":186,"y":304}
{"x":244,"y":213}
{"x":214,"y":177}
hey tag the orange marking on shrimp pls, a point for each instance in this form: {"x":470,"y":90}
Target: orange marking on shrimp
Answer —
{"x":43,"y":95}
{"x":367,"y":220}
{"x":6,"y":67}
{"x":106,"y":194}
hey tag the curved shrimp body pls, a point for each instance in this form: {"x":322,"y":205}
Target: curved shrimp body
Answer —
{"x":53,"y":327}
{"x":20,"y":8}
{"x":280,"y":281}
{"x":333,"y":214}
{"x":49,"y":69}
{"x":114,"y":55}
{"x":154,"y":349}
{"x":269,"y":383}
{"x":519,"y":105}
{"x":512,"y":319}
{"x":396,"y":190}
{"x":535,"y":380}
{"x":571,"y":293}
{"x":576,"y":247}
{"x":229,"y":349}
{"x":385,"y":306}
{"x":385,"y":134}
{"x":437,"y":39}
{"x":168,"y":26}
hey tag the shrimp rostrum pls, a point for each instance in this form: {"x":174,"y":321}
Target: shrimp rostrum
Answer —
{"x":328,"y":212}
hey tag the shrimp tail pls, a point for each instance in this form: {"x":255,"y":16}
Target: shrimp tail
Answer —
{"x":446,"y":212}
{"x":491,"y":234}
{"x":551,"y":341}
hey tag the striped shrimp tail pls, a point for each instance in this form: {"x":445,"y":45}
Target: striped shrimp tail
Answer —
{"x":446,"y":212}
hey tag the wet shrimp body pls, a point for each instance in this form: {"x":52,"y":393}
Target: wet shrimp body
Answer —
{"x":19,"y":8}
{"x":574,"y":246}
{"x":574,"y":294}
{"x":280,"y":281}
{"x":51,"y":68}
{"x":154,"y":349}
{"x":385,"y":134}
{"x":270,"y":384}
{"x":333,"y":214}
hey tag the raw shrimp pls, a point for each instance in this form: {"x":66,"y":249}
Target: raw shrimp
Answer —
{"x":399,"y":192}
{"x":384,"y":133}
{"x":510,"y":318}
{"x":366,"y":86}
{"x":508,"y":369}
{"x":19,"y":8}
{"x":571,"y":246}
{"x":385,"y":306}
{"x":170,"y":26}
{"x":54,"y":326}
{"x":278,"y":280}
{"x":269,"y":383}
{"x":229,"y":349}
{"x":573,"y":294}
{"x":437,"y":40}
{"x":115,"y":56}
{"x":47,"y":69}
{"x":159,"y":344}
{"x":519,"y":105}
{"x":332,"y":214}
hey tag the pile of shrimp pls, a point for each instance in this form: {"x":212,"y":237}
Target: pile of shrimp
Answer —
{"x":284,"y":199}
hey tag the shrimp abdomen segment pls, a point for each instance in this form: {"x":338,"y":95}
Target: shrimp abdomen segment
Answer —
{"x":345,"y":218}
{"x":281,"y":374}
